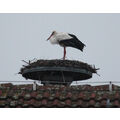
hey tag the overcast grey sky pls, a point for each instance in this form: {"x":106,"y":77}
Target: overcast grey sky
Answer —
{"x":23,"y":37}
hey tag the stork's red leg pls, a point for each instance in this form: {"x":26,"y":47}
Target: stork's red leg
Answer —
{"x":64,"y":53}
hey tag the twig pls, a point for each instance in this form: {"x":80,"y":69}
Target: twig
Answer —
{"x":98,"y":74}
{"x":29,"y":62}
{"x":26,"y":62}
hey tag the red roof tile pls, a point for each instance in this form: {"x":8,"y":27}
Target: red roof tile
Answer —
{"x":44,"y":102}
{"x":116,"y":103}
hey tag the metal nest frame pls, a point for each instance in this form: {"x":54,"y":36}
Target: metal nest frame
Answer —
{"x":56,"y":71}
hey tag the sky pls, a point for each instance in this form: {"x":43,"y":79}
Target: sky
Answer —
{"x":23,"y":37}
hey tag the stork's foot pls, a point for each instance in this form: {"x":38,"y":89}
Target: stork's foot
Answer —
{"x":64,"y":58}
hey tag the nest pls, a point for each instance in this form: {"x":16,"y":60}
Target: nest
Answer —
{"x":58,"y":63}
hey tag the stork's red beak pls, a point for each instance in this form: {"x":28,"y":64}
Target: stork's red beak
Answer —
{"x":50,"y":36}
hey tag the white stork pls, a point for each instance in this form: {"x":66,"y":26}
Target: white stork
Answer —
{"x":66,"y":40}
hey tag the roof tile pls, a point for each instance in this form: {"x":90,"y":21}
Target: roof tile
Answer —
{"x":93,"y":96}
{"x":22,"y":94}
{"x":57,"y":94}
{"x":6,"y":85}
{"x":26,"y":104}
{"x":81,"y":95}
{"x":21,"y":101}
{"x":105,"y":96}
{"x":62,"y":96}
{"x":117,"y":95}
{"x":3,"y":95}
{"x":116,"y":103}
{"x":91,"y":103}
{"x":74,"y":96}
{"x":15,"y":96}
{"x":103,"y":103}
{"x":0,"y":92}
{"x":27,"y":96}
{"x":46,"y":94}
{"x":55,"y":103}
{"x":39,"y":96}
{"x":68,"y":103}
{"x":81,"y":103}
{"x":44,"y":102}
{"x":13,"y":103}
{"x":32,"y":101}
{"x":34,"y":94}
{"x":2,"y":103}
{"x":69,"y":95}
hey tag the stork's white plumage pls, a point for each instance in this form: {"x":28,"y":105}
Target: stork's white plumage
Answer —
{"x":66,"y":40}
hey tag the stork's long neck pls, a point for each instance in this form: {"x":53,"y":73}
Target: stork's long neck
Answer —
{"x":53,"y":39}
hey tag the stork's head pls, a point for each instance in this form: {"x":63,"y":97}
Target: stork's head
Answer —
{"x":53,"y":33}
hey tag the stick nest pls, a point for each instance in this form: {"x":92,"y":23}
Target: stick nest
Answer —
{"x":58,"y":63}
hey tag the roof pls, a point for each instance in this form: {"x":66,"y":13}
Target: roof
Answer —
{"x":58,"y":96}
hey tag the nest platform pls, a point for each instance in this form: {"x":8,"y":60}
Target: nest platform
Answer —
{"x":57,"y":71}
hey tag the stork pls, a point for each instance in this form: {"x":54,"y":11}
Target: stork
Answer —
{"x":66,"y":40}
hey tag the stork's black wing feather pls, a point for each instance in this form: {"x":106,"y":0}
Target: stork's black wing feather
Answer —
{"x":73,"y":42}
{"x":73,"y":36}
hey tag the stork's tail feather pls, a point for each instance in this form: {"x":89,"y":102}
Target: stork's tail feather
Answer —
{"x":80,"y":46}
